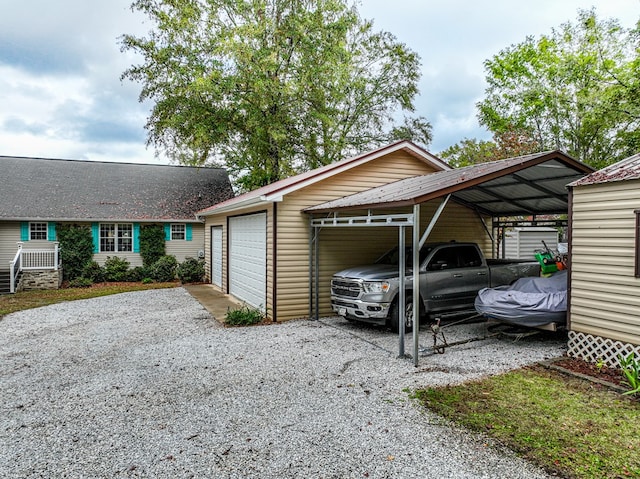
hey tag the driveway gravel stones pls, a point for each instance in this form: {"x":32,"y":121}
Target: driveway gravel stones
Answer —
{"x":148,"y":384}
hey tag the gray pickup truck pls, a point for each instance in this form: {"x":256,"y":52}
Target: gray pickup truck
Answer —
{"x":451,"y":274}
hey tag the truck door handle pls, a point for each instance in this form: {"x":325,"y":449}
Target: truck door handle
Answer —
{"x":482,"y":273}
{"x":457,"y":275}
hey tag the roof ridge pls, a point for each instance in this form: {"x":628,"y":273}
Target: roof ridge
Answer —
{"x":107,"y":162}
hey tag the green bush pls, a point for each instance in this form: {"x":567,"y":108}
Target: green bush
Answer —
{"x":191,"y":270}
{"x":76,"y":249}
{"x":80,"y":282}
{"x":93,"y":271}
{"x":116,"y":269}
{"x":151,"y":244}
{"x":138,"y":273}
{"x":147,"y":281}
{"x":164,"y":269}
{"x":244,"y":316}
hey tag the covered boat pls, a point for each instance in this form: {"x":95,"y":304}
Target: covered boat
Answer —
{"x":532,"y":302}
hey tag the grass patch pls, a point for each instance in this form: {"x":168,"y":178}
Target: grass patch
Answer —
{"x":567,"y":426}
{"x":11,"y":303}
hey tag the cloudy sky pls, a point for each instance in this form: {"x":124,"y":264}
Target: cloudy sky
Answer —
{"x":60,"y":66}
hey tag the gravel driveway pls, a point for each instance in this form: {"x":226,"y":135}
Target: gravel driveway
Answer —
{"x":147,"y":384}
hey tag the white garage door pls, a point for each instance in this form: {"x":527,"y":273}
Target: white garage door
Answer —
{"x":216,"y":255}
{"x":248,"y":258}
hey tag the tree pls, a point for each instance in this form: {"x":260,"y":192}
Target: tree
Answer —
{"x":507,"y":144}
{"x":269,"y":88}
{"x":565,"y":90}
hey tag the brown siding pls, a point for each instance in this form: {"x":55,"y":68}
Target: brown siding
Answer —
{"x":605,"y":294}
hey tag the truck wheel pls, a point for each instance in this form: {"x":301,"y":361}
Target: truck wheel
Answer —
{"x":394,"y":321}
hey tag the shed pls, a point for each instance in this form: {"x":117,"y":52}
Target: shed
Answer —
{"x":523,"y":242}
{"x":604,"y":302}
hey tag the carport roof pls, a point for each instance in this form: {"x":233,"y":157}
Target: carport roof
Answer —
{"x":526,"y":185}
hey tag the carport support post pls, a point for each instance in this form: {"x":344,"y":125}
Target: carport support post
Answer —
{"x":416,"y":281}
{"x":401,"y":292}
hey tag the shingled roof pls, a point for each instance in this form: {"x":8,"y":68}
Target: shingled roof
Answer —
{"x":52,"y":189}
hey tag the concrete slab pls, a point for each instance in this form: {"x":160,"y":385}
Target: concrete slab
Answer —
{"x":215,"y":301}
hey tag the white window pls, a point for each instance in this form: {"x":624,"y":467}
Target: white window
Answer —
{"x":38,"y":231}
{"x":177,"y":232}
{"x":116,"y":237}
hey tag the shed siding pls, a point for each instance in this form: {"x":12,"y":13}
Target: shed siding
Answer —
{"x":522,"y":243}
{"x":605,"y":295}
{"x":9,"y":237}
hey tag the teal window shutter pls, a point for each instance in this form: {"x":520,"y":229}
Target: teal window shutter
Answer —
{"x":95,"y":233}
{"x":24,"y":231}
{"x":167,"y":232}
{"x":136,"y":237}
{"x":188,"y":232}
{"x":51,"y":231}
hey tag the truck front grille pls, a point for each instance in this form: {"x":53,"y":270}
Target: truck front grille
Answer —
{"x":341,"y":287}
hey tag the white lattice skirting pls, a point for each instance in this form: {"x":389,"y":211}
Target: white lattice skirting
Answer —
{"x":595,"y":348}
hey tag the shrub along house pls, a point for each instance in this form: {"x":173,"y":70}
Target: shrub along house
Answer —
{"x":604,"y":303}
{"x":113,"y":200}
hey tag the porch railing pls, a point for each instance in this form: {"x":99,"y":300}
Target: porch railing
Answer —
{"x":31,"y":259}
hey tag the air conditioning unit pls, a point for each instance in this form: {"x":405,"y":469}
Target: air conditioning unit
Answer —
{"x":201,"y":254}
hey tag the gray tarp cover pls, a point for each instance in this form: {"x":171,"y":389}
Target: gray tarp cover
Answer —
{"x":527,"y":302}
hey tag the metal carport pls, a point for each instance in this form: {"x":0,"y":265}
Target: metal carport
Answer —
{"x":530,"y":185}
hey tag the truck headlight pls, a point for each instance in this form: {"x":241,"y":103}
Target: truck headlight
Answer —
{"x":375,"y":287}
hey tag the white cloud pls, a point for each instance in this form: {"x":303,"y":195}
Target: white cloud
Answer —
{"x":60,"y":67}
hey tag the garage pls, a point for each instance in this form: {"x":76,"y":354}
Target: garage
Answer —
{"x":248,"y":259}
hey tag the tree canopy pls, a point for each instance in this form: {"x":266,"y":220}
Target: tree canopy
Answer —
{"x":574,"y":90}
{"x":507,"y":144}
{"x":268,"y":88}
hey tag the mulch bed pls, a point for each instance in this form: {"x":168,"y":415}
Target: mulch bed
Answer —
{"x":579,"y":366}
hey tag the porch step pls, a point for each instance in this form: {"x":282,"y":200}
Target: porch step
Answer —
{"x":5,"y":282}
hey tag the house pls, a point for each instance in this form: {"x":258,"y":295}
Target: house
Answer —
{"x":114,"y":200}
{"x":604,"y":302}
{"x":257,"y":245}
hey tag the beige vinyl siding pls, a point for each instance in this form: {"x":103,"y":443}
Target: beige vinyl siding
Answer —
{"x":221,"y":220}
{"x":183,"y":249}
{"x":343,"y":247}
{"x":9,"y":238}
{"x":134,"y":259}
{"x":605,"y":295}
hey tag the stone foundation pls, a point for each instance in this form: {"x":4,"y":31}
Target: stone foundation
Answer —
{"x":40,"y":279}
